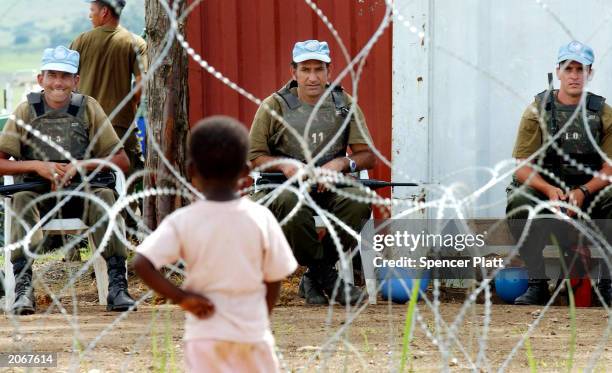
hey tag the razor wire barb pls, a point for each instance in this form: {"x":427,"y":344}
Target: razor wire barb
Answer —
{"x":446,"y":336}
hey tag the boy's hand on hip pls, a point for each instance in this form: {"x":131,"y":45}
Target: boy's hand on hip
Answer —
{"x":198,"y":305}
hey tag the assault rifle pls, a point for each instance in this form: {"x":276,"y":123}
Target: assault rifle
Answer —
{"x":39,"y":185}
{"x":279,"y":178}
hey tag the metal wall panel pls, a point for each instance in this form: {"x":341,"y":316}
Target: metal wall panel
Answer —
{"x":459,"y":97}
{"x":250,"y":42}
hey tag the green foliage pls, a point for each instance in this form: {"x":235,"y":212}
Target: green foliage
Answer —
{"x":532,"y":362}
{"x":36,"y":24}
{"x":572,"y":307}
{"x":28,"y":27}
{"x":162,"y":348}
{"x":406,"y":356}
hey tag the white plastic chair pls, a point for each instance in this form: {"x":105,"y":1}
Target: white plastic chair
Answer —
{"x":52,"y":227}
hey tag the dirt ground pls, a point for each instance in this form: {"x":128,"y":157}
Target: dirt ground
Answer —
{"x":308,"y":338}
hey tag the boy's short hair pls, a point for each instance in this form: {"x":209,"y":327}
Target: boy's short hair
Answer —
{"x":218,"y":147}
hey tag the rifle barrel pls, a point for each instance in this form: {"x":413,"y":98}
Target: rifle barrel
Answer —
{"x":101,"y":180}
{"x":9,"y":190}
{"x":370,"y":183}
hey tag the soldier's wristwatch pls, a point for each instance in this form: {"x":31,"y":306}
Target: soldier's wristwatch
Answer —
{"x":585,"y":191}
{"x":352,"y":165}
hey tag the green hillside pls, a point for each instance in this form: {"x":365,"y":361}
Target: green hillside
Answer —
{"x":27,"y":27}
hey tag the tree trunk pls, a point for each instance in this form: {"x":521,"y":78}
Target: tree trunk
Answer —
{"x":168,"y":100}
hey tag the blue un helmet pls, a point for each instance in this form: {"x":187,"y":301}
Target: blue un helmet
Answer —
{"x":576,"y":51}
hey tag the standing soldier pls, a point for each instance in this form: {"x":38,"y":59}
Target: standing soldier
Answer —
{"x":270,"y":141}
{"x":110,"y":57}
{"x":570,"y":183}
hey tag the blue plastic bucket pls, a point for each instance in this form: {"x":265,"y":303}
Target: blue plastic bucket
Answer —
{"x":397,"y":283}
{"x":511,"y":283}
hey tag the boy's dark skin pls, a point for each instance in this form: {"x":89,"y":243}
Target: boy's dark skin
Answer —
{"x":199,"y":305}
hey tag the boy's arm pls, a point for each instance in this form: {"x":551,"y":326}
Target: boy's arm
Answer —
{"x":272,"y":294}
{"x":192,"y":302}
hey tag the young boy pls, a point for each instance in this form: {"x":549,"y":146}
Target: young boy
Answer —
{"x":235,"y":256}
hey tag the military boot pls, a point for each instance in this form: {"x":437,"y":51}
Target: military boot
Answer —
{"x":118,"y":297}
{"x":310,"y":291}
{"x":605,"y":289}
{"x":537,"y":293}
{"x":25,"y":304}
{"x":334,"y":287}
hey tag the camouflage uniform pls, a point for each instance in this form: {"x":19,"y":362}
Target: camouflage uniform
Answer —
{"x":269,"y":137}
{"x":325,"y":125}
{"x":70,"y":130}
{"x":574,"y":142}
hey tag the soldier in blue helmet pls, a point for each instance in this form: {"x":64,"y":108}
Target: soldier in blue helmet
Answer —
{"x":77,"y":124}
{"x":271,"y":141}
{"x":564,"y":180}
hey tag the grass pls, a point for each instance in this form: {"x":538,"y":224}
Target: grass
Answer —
{"x":164,"y":357}
{"x":12,"y":61}
{"x":408,"y":324}
{"x":572,"y":308}
{"x":56,"y":255}
{"x":366,"y":345}
{"x":532,"y":362}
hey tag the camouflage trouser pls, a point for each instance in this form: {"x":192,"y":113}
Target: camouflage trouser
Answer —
{"x":533,"y":257}
{"x":301,"y":232}
{"x":89,"y":212}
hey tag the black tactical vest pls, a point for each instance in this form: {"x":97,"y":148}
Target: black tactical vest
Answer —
{"x":574,"y":141}
{"x":67,"y":129}
{"x":325,"y":124}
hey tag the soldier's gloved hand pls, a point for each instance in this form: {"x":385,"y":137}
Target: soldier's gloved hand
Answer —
{"x":576,"y":198}
{"x":51,"y":171}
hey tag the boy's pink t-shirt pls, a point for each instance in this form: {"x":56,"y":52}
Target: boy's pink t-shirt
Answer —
{"x":230,"y":249}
